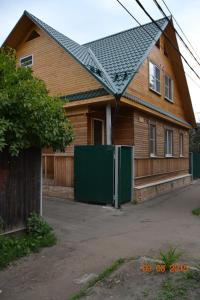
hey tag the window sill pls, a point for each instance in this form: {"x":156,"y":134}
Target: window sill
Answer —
{"x":182,"y":156}
{"x":153,"y":156}
{"x":169,"y":100}
{"x":168,"y":155}
{"x":154,"y":91}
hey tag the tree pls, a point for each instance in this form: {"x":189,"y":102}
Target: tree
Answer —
{"x":195,"y":138}
{"x":29,"y":117}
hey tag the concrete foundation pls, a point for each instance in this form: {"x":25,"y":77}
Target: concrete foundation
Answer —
{"x":151,"y":190}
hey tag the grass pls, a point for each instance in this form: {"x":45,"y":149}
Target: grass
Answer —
{"x":39,"y":234}
{"x":196,"y":211}
{"x":170,"y":257}
{"x":99,"y":278}
{"x":171,"y":290}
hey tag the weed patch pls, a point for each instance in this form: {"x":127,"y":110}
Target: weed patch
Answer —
{"x":196,"y":211}
{"x":170,"y":257}
{"x":39,"y":234}
{"x":99,"y":278}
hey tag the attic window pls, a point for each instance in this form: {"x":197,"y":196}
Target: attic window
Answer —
{"x":158,"y":43}
{"x":26,"y":61}
{"x":32,"y":35}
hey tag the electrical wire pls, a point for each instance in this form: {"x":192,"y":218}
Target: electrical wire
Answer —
{"x":180,"y":37}
{"x":142,"y":26}
{"x":180,"y":28}
{"x":166,"y":36}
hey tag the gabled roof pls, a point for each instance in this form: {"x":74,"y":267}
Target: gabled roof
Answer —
{"x":113,"y":60}
{"x":122,"y":54}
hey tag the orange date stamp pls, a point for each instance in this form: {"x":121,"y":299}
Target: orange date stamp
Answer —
{"x":160,"y":268}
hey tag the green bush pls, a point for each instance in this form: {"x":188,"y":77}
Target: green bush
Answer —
{"x":39,"y":234}
{"x":196,"y":211}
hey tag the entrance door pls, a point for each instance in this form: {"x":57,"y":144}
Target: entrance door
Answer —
{"x":98,"y":131}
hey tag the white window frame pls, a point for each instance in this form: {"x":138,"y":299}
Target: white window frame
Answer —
{"x":155,"y":80}
{"x":103,"y":129}
{"x":168,"y":152}
{"x":152,"y":140}
{"x":21,"y":58}
{"x":181,"y":144}
{"x":167,"y":96}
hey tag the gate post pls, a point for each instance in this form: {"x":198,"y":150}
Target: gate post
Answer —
{"x":116,"y":177}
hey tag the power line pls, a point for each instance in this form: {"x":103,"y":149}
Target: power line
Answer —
{"x":164,"y":14}
{"x":180,"y":27}
{"x":166,"y":36}
{"x":149,"y":33}
{"x":192,"y":79}
{"x":124,"y":7}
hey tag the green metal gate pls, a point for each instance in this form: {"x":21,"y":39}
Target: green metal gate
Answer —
{"x":195,"y":164}
{"x":103,"y":174}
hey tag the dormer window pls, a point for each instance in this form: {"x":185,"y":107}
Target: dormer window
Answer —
{"x":26,"y":61}
{"x":154,"y":77}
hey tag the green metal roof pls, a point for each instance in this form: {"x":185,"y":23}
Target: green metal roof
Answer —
{"x":113,"y":60}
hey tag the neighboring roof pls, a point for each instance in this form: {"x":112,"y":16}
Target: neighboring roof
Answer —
{"x":113,"y":60}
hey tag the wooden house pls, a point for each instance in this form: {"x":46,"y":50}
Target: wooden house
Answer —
{"x":128,"y":88}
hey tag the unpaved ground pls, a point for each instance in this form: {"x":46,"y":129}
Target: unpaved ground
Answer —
{"x":91,"y":237}
{"x":130,"y":283}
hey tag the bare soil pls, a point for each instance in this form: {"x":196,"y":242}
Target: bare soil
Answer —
{"x":130,"y":282}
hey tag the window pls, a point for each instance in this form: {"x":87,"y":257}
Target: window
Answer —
{"x":152,"y":139}
{"x":168,"y":88}
{"x":26,"y":61}
{"x":98,"y":132}
{"x":168,"y":142}
{"x":154,"y":77}
{"x":181,"y":144}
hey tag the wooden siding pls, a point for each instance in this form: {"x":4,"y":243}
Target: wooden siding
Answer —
{"x":123,"y":133}
{"x":59,"y":168}
{"x":62,"y":74}
{"x":141,"y":137}
{"x":140,"y":84}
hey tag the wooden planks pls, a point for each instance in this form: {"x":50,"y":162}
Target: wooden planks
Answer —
{"x":20,"y":187}
{"x":62,"y":168}
{"x":158,"y":166}
{"x":168,"y":65}
{"x":62,"y":74}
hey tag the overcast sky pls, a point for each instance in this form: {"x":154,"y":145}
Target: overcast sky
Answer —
{"x":86,"y":20}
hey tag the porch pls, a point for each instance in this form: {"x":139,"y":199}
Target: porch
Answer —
{"x":106,"y":123}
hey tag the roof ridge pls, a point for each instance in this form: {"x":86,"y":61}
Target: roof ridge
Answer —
{"x":102,"y":68}
{"x":123,"y":31}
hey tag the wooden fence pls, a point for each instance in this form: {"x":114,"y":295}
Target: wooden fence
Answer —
{"x":58,"y":169}
{"x":20,"y":187}
{"x":160,"y":168}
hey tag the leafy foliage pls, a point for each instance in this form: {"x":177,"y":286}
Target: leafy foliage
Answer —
{"x":170,"y":257}
{"x":37,"y":225}
{"x":39,"y":234}
{"x":196,"y":211}
{"x":29,"y":117}
{"x":195,"y":138}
